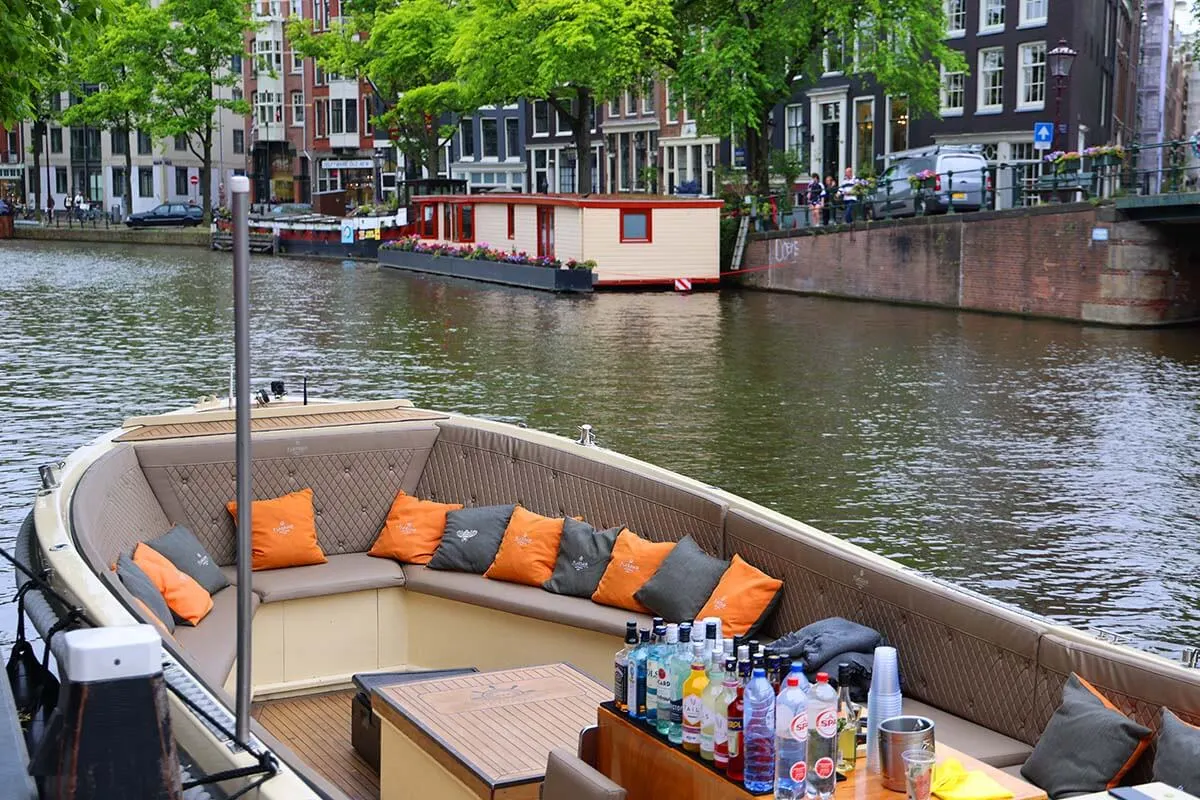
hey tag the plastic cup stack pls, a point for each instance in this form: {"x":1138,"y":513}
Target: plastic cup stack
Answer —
{"x":883,"y":700}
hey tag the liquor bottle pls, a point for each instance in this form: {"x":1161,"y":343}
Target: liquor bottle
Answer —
{"x":654,"y":657}
{"x":662,"y":719}
{"x":791,"y":741}
{"x":680,"y":665}
{"x":693,"y":706}
{"x":758,"y":772}
{"x":721,"y":707}
{"x":708,"y":699}
{"x":743,"y":656}
{"x":822,"y":739}
{"x":775,"y":671}
{"x":710,"y":638}
{"x":727,"y":649}
{"x":621,"y":667}
{"x":848,"y":712}
{"x":735,"y":724}
{"x":637,"y":676}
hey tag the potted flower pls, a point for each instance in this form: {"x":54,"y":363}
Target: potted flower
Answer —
{"x":925,"y":179}
{"x":1064,"y":162}
{"x":1106,"y":155}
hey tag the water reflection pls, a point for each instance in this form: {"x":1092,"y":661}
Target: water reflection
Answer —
{"x":1045,"y":464}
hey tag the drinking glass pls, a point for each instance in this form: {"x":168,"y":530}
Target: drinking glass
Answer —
{"x":918,"y":773}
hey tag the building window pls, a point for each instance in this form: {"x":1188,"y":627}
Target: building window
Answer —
{"x":60,"y":180}
{"x":897,"y":124}
{"x":864,"y":134}
{"x":953,"y":92}
{"x":1034,"y":13}
{"x":545,"y":166}
{"x":794,"y":117}
{"x":269,"y":55}
{"x":512,"y":139}
{"x":239,"y":142}
{"x":1031,"y":81}
{"x":512,"y":220}
{"x":181,"y":142}
{"x":56,"y":140}
{"x":235,"y":63}
{"x":834,"y":55}
{"x":466,"y":138}
{"x":120,"y":142}
{"x":297,"y":108}
{"x":319,"y":76}
{"x":648,"y":99}
{"x":343,"y":115}
{"x":237,"y":94}
{"x":956,"y":18}
{"x":991,"y":79}
{"x":614,"y":107}
{"x":56,"y":102}
{"x":145,"y":145}
{"x":591,"y":112}
{"x":118,"y":181}
{"x":181,"y":180}
{"x":635,"y":225}
{"x":268,"y":107}
{"x":630,"y":104}
{"x":321,"y":118}
{"x":541,"y":118}
{"x":297,"y":62}
{"x":145,"y":181}
{"x":562,"y":122}
{"x":489,"y":136}
{"x":991,"y":15}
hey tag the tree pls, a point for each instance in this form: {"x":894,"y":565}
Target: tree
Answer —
{"x":571,"y":53}
{"x":32,"y":35}
{"x":738,"y":59}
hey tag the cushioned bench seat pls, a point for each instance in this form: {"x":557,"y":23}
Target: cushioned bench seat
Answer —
{"x":527,"y":601}
{"x":345,"y":572}
{"x":987,"y":745}
{"x":211,"y":646}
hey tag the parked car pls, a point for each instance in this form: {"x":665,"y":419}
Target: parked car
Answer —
{"x":962,"y":182}
{"x":167,"y":214}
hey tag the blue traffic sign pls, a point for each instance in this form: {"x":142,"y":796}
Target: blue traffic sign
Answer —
{"x":1043,"y":135}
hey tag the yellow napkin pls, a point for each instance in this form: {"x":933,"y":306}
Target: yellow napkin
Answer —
{"x":951,"y":781}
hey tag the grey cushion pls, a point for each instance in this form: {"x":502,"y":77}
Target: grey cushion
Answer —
{"x":210,"y":648}
{"x":583,"y":555}
{"x":570,"y":778}
{"x":140,"y":586}
{"x":472,"y":538}
{"x":975,"y":740}
{"x":181,"y":547}
{"x":1177,"y":759}
{"x":347,"y":572}
{"x":683,"y":583}
{"x":1060,"y":766}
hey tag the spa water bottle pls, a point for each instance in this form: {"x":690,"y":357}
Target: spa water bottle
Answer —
{"x":791,"y":740}
{"x":759,"y":770}
{"x":822,"y":739}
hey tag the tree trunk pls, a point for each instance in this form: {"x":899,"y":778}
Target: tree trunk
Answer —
{"x":128,"y":198}
{"x":206,"y":174}
{"x":758,"y":153}
{"x":38,"y":131}
{"x":581,"y":132}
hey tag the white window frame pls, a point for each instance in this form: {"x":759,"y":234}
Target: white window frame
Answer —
{"x":297,"y":63}
{"x":297,"y":118}
{"x":982,"y":107}
{"x":533,"y":111}
{"x":1023,"y":81}
{"x":648,"y":106}
{"x":631,"y":104}
{"x":984,"y":6}
{"x":793,"y":113}
{"x":268,"y":56}
{"x":1026,"y":21}
{"x":888,"y":144}
{"x":614,"y":107}
{"x":483,"y":154}
{"x":515,"y":154}
{"x":467,"y":123}
{"x":825,"y":70}
{"x":854,"y":103}
{"x":951,"y":31}
{"x":948,"y":110}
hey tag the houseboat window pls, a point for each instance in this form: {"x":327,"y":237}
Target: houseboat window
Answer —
{"x":512,"y":220}
{"x":635,"y":225}
{"x":427,"y":221}
{"x":466,"y":223}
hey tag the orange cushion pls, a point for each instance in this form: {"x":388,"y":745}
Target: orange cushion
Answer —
{"x":742,"y":598}
{"x":528,"y":550}
{"x":186,"y":598}
{"x":283,"y":531}
{"x":634,"y":561}
{"x":413,"y":529}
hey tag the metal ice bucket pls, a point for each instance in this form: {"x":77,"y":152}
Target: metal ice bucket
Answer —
{"x":897,"y":735}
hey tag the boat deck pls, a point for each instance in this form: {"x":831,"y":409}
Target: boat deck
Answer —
{"x":317,"y":728}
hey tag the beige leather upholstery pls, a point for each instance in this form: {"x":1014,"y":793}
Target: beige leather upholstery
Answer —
{"x":568,"y":778}
{"x":987,"y":745}
{"x":528,"y":601}
{"x":354,"y":474}
{"x":212,"y":645}
{"x":348,"y":572}
{"x":477,"y":467}
{"x":113,"y":508}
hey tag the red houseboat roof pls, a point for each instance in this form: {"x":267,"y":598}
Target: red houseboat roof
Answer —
{"x":575,"y":200}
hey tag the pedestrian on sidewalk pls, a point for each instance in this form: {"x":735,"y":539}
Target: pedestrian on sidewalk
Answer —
{"x":49,"y":209}
{"x":815,"y":193}
{"x":847,"y":190}
{"x":830,"y":201}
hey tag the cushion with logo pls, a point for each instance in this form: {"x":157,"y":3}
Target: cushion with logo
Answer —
{"x":1177,"y":754}
{"x":744,"y":599}
{"x":187,"y":599}
{"x":634,"y":561}
{"x":472,"y":537}
{"x":583,"y":555}
{"x":183,"y":549}
{"x":413,"y":529}
{"x":145,"y":592}
{"x":283,"y":531}
{"x":1060,"y":766}
{"x":528,"y":550}
{"x":683,"y":583}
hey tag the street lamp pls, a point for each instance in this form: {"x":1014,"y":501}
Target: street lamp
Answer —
{"x":1059,"y":62}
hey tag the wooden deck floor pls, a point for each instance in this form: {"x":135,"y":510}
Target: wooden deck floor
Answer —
{"x":317,"y":728}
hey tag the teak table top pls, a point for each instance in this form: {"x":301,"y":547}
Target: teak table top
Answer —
{"x":862,"y":785}
{"x":500,"y":726}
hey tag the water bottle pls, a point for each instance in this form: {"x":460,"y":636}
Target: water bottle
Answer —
{"x":822,"y":739}
{"x":791,"y":740}
{"x":759,"y":768}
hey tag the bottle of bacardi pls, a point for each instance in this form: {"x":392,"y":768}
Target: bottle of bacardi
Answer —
{"x":621,"y":667}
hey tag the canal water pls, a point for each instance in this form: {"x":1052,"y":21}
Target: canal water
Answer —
{"x":1044,"y":464}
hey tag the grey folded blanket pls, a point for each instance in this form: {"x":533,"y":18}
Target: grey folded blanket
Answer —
{"x":820,"y":642}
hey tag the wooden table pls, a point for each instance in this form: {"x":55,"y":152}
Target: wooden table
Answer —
{"x":651,"y":769}
{"x":485,"y":735}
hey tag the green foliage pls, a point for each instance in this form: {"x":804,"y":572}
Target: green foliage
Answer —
{"x":33,"y":36}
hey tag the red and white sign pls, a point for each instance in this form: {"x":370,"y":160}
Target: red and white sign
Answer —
{"x":683,"y":284}
{"x":798,"y":772}
{"x":827,"y":723}
{"x":824,"y":767}
{"x":195,"y":179}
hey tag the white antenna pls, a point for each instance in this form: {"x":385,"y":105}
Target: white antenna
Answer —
{"x":229,"y":403}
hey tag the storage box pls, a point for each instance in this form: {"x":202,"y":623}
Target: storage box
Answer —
{"x":364,"y":727}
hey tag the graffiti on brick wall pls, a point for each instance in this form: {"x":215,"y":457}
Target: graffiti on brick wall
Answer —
{"x":784,"y":250}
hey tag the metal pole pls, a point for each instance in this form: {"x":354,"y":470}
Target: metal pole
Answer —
{"x":240,"y":189}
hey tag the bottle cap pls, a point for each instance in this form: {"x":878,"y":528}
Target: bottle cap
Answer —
{"x":743,"y":653}
{"x":711,"y":630}
{"x":644,"y":635}
{"x":730,"y":664}
{"x":631,"y":633}
{"x":672,"y":634}
{"x":759,"y":672}
{"x":792,"y":680}
{"x":685,"y":632}
{"x":698,"y":647}
{"x":822,"y":677}
{"x":657,"y":621}
{"x":660,"y":630}
{"x":843,"y":673}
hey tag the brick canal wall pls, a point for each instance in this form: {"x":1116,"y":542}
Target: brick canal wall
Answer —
{"x":188,"y":237}
{"x":1043,"y":261}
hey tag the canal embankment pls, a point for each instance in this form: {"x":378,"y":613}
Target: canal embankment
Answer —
{"x":187,"y":237}
{"x":1077,"y":262}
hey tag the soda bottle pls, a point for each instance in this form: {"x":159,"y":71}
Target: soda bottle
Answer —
{"x":822,"y":738}
{"x":680,"y":666}
{"x":721,"y":713}
{"x":662,"y":719}
{"x":693,"y":706}
{"x":791,"y":740}
{"x":736,"y":726}
{"x":654,"y":657}
{"x":708,"y":699}
{"x":759,"y":770}
{"x":621,"y":667}
{"x":637,"y":677}
{"x":848,"y":712}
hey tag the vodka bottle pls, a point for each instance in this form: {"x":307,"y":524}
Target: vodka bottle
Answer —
{"x":775,"y":671}
{"x":710,"y":637}
{"x":708,"y":699}
{"x":654,"y":657}
{"x":662,"y":720}
{"x":680,"y":666}
{"x":621,"y":667}
{"x":791,"y":741}
{"x":848,"y":712}
{"x":759,"y":770}
{"x":743,"y":656}
{"x":721,"y":711}
{"x":693,"y":706}
{"x":636,"y":682}
{"x":822,"y":739}
{"x":736,"y":726}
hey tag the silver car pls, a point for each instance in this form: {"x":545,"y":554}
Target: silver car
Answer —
{"x":962,"y":181}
